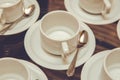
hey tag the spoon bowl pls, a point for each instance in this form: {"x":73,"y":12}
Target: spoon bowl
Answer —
{"x":83,"y":39}
{"x":29,"y":10}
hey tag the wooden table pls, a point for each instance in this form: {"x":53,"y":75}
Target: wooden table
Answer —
{"x":106,"y":38}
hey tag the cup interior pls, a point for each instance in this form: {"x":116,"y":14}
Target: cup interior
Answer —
{"x":59,"y":25}
{"x":11,"y":69}
{"x":8,"y":3}
{"x":112,"y":64}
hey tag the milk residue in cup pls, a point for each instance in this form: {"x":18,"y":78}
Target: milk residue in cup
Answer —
{"x":60,"y":33}
{"x":11,"y":77}
{"x":115,"y":71}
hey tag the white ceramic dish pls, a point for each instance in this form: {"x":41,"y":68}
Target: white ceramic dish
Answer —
{"x":74,"y":7}
{"x":42,"y":58}
{"x":93,"y":68}
{"x":27,"y":22}
{"x":36,"y":72}
{"x":118,"y":29}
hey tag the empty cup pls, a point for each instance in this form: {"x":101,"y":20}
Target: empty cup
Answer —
{"x":13,"y":69}
{"x":59,"y":32}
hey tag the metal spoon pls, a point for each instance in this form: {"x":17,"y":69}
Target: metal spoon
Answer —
{"x":83,"y":39}
{"x":27,"y":12}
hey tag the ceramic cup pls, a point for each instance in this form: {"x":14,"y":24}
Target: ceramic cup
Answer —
{"x":111,"y":65}
{"x":59,"y":32}
{"x":13,"y":69}
{"x":11,"y":10}
{"x":96,"y":6}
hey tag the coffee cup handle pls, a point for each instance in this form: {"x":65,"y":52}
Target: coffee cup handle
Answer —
{"x":65,"y":49}
{"x":107,"y":8}
{"x":2,"y":19}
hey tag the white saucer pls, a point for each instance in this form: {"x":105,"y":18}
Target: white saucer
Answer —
{"x":36,"y":72}
{"x":38,"y":55}
{"x":27,"y":22}
{"x":118,"y":29}
{"x":93,"y":68}
{"x":74,"y":7}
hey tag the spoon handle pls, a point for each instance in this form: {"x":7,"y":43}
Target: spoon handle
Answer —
{"x":8,"y":26}
{"x":25,"y":15}
{"x":5,"y":28}
{"x":71,"y":69}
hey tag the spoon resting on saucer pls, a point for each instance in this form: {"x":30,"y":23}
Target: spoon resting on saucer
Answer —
{"x":83,"y":39}
{"x":27,"y":12}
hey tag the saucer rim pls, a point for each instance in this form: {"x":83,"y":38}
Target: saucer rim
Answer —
{"x":28,"y":23}
{"x":54,"y":67}
{"x":94,"y":58}
{"x":118,"y":29}
{"x":88,"y":64}
{"x":101,"y":22}
{"x":32,"y":66}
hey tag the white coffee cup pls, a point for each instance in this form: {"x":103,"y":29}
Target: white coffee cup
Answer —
{"x":59,"y":32}
{"x":11,"y":10}
{"x":96,"y":6}
{"x":13,"y":69}
{"x":111,"y":65}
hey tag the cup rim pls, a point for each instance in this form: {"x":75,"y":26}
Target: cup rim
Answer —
{"x":104,"y":63}
{"x":105,"y":67}
{"x":15,"y":4}
{"x":14,"y":59}
{"x":61,"y":11}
